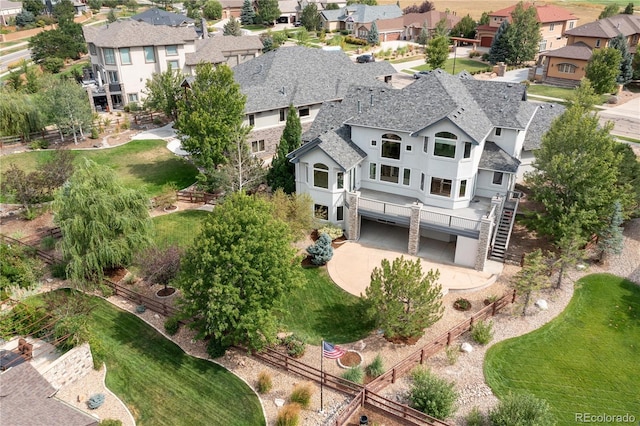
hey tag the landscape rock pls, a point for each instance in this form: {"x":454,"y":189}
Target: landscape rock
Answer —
{"x":279,"y":402}
{"x":466,"y":347}
{"x":542,"y":304}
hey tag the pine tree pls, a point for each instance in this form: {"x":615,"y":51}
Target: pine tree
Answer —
{"x":628,"y":10}
{"x":423,"y":37}
{"x":499,"y":47}
{"x":611,"y":242}
{"x":532,"y":277}
{"x":626,"y":69}
{"x":321,"y":252}
{"x":282,"y":172}
{"x":374,"y":37}
{"x":248,"y":15}
{"x":232,"y":28}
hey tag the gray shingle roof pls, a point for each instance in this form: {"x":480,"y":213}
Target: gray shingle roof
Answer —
{"x":363,"y":13}
{"x":303,"y":76}
{"x":501,"y":102}
{"x":434,"y":97}
{"x":129,"y":33}
{"x":544,"y":115}
{"x":213,"y":49}
{"x":496,"y":159}
{"x":155,"y":16}
{"x":337,"y":145}
{"x":26,"y":399}
{"x":609,"y":27}
{"x":578,"y":50}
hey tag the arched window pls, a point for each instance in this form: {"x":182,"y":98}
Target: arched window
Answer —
{"x":391,"y":146}
{"x":320,"y":176}
{"x":445,"y":145}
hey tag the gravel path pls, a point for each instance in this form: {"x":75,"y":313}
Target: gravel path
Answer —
{"x":466,"y":373}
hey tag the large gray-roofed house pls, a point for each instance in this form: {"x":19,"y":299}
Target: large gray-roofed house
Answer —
{"x":545,"y":114}
{"x":303,"y":76}
{"x":129,"y":33}
{"x":225,"y":49}
{"x":352,"y":16}
{"x":28,"y":399}
{"x":155,"y":16}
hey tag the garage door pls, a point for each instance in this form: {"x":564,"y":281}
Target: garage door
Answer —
{"x":486,"y":41}
{"x":392,"y":36}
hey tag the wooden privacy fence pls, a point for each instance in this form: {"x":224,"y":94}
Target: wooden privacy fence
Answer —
{"x":51,"y":136}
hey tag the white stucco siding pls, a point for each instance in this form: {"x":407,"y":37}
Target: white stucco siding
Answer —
{"x":510,"y":140}
{"x":466,"y":250}
{"x":485,"y":186}
{"x":525,"y":165}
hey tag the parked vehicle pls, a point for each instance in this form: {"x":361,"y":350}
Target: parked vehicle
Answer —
{"x":363,"y":59}
{"x":420,"y":74}
{"x":297,"y":24}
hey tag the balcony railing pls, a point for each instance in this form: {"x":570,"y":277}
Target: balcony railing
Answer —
{"x":115,"y":87}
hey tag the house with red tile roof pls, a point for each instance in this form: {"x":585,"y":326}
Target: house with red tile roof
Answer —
{"x":554,"y":22}
{"x":407,"y":27}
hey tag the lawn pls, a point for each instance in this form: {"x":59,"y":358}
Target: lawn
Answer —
{"x":322,"y":310}
{"x":179,"y":228}
{"x":161,"y":384}
{"x":462,"y":64}
{"x":146,"y":165}
{"x":585,"y":360}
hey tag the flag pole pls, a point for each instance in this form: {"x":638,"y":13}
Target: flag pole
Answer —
{"x":321,"y":376}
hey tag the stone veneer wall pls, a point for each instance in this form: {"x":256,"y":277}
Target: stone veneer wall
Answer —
{"x":271,"y":137}
{"x":70,"y":367}
{"x":414,"y":230}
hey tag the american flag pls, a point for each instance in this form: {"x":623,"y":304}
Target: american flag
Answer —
{"x":332,"y":352}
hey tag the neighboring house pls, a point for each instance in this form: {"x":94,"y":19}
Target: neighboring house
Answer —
{"x":155,"y":16}
{"x":439,"y":157}
{"x":124,"y":54}
{"x":79,"y":6}
{"x":554,"y":23}
{"x":231,"y":8}
{"x":289,"y":12}
{"x":321,"y":4}
{"x":222,"y":49}
{"x":9,"y":9}
{"x":566,"y":66}
{"x":28,"y":398}
{"x":303,"y":77}
{"x":409,"y":26}
{"x":351,"y":17}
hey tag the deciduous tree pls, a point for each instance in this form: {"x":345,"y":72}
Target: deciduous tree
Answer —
{"x":237,"y":273}
{"x":20,"y":113}
{"x":609,"y":11}
{"x":268,"y":11}
{"x":68,"y":108}
{"x":575,"y":175}
{"x":437,"y":52}
{"x":212,"y":9}
{"x":603,"y":69}
{"x":242,"y":171}
{"x":282,"y":172}
{"x":484,"y":18}
{"x":36,"y":7}
{"x":402,"y":299}
{"x":310,"y":18}
{"x":64,"y":42}
{"x":103,"y":223}
{"x":523,"y":35}
{"x":163,"y":92}
{"x":425,"y":6}
{"x":294,"y":209}
{"x":209,"y":114}
{"x":466,"y":27}
{"x":248,"y":14}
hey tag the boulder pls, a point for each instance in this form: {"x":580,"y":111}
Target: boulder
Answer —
{"x":542,"y":304}
{"x":279,"y":402}
{"x":466,"y":347}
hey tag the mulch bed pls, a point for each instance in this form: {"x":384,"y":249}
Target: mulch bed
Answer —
{"x":351,"y":359}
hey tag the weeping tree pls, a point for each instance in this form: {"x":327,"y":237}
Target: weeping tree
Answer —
{"x":19,"y":114}
{"x":103,"y":223}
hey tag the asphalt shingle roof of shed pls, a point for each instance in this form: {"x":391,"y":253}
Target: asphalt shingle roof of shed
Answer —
{"x":434,"y":97}
{"x":303,"y":76}
{"x":26,"y":399}
{"x":212,"y":49}
{"x":155,"y":16}
{"x":544,"y":115}
{"x":609,"y":27}
{"x":129,"y":33}
{"x":496,"y":159}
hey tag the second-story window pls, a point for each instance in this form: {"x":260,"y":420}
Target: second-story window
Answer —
{"x":467,"y":150}
{"x":320,"y":176}
{"x":109,"y":56}
{"x":149,"y":54}
{"x":252,"y":119}
{"x":125,"y":56}
{"x":340,"y":180}
{"x":92,"y":48}
{"x":445,"y":145}
{"x":172,"y":50}
{"x":552,"y":26}
{"x":391,"y":146}
{"x":283,"y":114}
{"x":497,"y":178}
{"x":173,"y":65}
{"x":498,"y":131}
{"x":303,"y":112}
{"x":598,"y":43}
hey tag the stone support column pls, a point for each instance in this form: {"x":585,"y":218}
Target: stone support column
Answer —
{"x":414,"y":229}
{"x":486,"y":226}
{"x":353,"y":217}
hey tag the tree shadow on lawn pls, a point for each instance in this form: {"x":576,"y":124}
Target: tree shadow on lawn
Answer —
{"x":173,"y":170}
{"x":627,"y":314}
{"x":344,"y":323}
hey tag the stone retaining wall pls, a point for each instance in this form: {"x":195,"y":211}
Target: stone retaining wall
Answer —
{"x":70,"y":367}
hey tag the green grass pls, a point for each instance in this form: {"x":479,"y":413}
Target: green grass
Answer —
{"x":462,"y":64}
{"x":585,"y":360}
{"x":322,"y":310}
{"x":146,"y":165}
{"x":161,"y":384}
{"x":178,"y":228}
{"x":628,"y":139}
{"x":556,"y":92}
